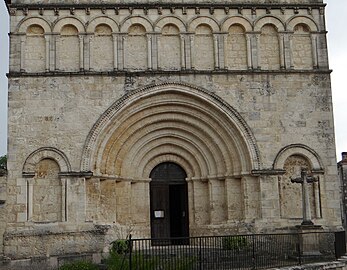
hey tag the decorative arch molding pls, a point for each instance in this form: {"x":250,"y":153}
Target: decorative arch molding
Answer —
{"x":113,"y":149}
{"x":66,"y":21}
{"x":159,"y":24}
{"x":24,"y":24}
{"x":203,"y":20}
{"x":258,"y":24}
{"x":46,"y":153}
{"x":102,"y":20}
{"x":301,"y":150}
{"x":236,"y":20}
{"x":184,"y":163}
{"x":302,"y":20}
{"x":124,"y":26}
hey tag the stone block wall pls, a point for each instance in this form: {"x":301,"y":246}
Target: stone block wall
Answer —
{"x":238,"y":95}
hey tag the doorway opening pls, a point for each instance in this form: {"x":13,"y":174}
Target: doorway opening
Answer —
{"x":169,"y":204}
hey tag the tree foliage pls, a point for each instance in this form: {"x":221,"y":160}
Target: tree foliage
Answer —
{"x":3,"y":162}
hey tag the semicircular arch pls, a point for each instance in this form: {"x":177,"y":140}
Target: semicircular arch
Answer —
{"x":302,"y":20}
{"x":258,"y":24}
{"x":125,"y":25}
{"x":46,"y":153}
{"x":236,"y":20}
{"x":68,"y":21}
{"x":23,"y":26}
{"x":159,"y":24}
{"x":301,"y":150}
{"x":203,"y":20}
{"x":102,"y":20}
{"x":111,"y":142}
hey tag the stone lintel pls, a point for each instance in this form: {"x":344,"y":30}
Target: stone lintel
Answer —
{"x":76,"y":174}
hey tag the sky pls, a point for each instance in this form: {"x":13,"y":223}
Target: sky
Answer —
{"x":336,"y":19}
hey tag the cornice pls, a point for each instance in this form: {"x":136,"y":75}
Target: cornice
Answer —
{"x":161,"y":72}
{"x":163,"y":5}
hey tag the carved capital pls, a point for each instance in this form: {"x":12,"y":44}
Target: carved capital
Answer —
{"x":13,"y":11}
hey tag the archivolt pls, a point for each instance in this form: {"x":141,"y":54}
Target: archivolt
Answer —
{"x":170,"y":122}
{"x":301,"y":150}
{"x":46,"y":152}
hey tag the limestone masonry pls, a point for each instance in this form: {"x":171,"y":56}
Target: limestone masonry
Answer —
{"x":162,"y":119}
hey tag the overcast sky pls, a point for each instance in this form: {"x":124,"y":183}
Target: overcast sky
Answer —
{"x":337,"y":37}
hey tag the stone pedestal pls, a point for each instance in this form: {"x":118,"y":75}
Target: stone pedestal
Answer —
{"x":309,"y":240}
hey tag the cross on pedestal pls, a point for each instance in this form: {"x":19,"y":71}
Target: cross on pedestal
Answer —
{"x":306,"y":209}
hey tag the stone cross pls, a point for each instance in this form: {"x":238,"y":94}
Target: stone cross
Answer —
{"x":306,"y":209}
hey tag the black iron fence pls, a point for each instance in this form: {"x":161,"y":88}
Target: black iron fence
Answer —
{"x":258,"y":251}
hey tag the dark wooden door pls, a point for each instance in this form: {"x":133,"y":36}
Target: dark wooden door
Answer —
{"x":169,"y":204}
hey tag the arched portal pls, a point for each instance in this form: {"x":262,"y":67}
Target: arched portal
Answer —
{"x":178,"y":124}
{"x":169,"y":203}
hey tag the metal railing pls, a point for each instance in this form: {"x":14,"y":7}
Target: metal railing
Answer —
{"x":257,"y":251}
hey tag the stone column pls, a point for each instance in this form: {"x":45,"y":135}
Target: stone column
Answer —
{"x":221,"y":50}
{"x":314,"y":50}
{"x":115,"y":51}
{"x":191,"y":201}
{"x":257,"y":38}
{"x":81,"y":51}
{"x":30,"y":194}
{"x":149,"y":51}
{"x":121,"y":51}
{"x":183,"y":52}
{"x":249,"y":50}
{"x":192,"y":62}
{"x":63,"y":199}
{"x":56,"y":65}
{"x":91,"y":53}
{"x":216,"y":51}
{"x":317,"y":199}
{"x":47,"y":42}
{"x":22,"y":53}
{"x":282,"y":52}
{"x":225,"y":48}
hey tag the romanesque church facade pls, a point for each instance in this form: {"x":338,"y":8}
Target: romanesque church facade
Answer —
{"x":164,"y":119}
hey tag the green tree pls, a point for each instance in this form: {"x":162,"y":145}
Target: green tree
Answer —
{"x":3,"y":162}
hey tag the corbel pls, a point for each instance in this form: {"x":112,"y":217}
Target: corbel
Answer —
{"x":25,"y":11}
{"x":211,"y":10}
{"x":226,"y":10}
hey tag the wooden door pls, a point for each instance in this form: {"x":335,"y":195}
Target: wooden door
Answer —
{"x":169,"y":204}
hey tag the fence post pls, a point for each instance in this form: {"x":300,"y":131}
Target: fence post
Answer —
{"x":200,"y":256}
{"x":130,"y":252}
{"x":253,"y":252}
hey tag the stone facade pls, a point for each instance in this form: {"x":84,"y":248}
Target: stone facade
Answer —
{"x":342,"y":171}
{"x":236,"y":93}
